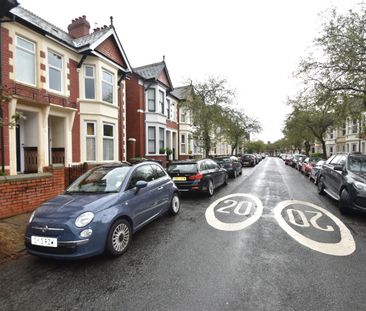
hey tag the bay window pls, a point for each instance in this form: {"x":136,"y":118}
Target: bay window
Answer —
{"x":151,"y":100}
{"x":161,"y":102}
{"x":161,"y":138}
{"x":90,"y":141}
{"x":89,"y":81}
{"x":107,"y":86}
{"x":108,"y":142}
{"x":151,"y":140}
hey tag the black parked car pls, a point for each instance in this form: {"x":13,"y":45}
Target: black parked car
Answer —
{"x":198,"y":175}
{"x":248,"y":160}
{"x":231,"y":164}
{"x":343,"y":177}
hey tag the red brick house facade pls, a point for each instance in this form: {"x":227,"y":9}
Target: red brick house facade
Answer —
{"x":152,"y":114}
{"x":69,"y":88}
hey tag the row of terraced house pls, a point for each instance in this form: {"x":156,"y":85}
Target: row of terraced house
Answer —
{"x":81,"y":101}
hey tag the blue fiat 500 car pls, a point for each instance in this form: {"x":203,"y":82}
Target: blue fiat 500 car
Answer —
{"x":101,"y":210}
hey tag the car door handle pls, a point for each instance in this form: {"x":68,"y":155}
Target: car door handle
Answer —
{"x":161,"y":188}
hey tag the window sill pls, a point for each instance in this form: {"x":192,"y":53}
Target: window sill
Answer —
{"x":34,"y":86}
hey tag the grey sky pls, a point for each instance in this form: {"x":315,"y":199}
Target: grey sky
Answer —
{"x":256,"y":45}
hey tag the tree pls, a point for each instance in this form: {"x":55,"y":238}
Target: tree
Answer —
{"x":4,"y":99}
{"x":237,"y":126}
{"x":313,"y":116}
{"x":257,"y":146}
{"x":206,"y":103}
{"x":340,"y":67}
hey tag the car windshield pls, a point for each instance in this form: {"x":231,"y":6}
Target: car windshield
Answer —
{"x":100,"y":180}
{"x":357,"y":164}
{"x":183,"y":168}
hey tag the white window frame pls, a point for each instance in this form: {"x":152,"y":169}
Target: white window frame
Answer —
{"x":94,"y":136}
{"x":152,"y":140}
{"x":162,"y":102}
{"x":183,"y":144}
{"x":109,"y":83}
{"x":168,"y":104}
{"x":183,"y":115}
{"x":111,"y":138}
{"x":153,"y":99}
{"x":161,"y":138}
{"x":354,"y":128}
{"x":33,"y":53}
{"x":61,"y":71}
{"x":354,"y":147}
{"x":89,"y":78}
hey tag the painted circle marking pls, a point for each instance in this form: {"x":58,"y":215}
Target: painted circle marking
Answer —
{"x":346,"y":246}
{"x":220,"y":225}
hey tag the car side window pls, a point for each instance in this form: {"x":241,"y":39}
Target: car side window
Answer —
{"x":203,"y":166}
{"x":337,"y":160}
{"x":144,"y":173}
{"x":158,"y":171}
{"x":212,"y":165}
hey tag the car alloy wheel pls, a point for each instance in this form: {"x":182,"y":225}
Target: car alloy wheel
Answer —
{"x":321,"y":185}
{"x":174,"y":205}
{"x":119,"y":237}
{"x":226,"y":179}
{"x":344,"y":202}
{"x":210,"y":188}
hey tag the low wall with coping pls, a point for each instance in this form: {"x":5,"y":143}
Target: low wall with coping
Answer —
{"x":24,"y":193}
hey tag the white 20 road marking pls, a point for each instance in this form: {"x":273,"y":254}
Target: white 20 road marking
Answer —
{"x":217,"y":224}
{"x":346,"y":246}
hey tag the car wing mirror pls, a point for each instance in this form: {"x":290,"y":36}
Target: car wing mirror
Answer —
{"x":338,"y":167}
{"x":139,"y":185}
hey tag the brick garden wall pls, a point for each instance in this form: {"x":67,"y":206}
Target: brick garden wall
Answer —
{"x":24,"y":193}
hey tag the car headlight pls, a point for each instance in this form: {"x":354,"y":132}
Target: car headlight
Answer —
{"x":359,"y":185}
{"x":84,"y":219}
{"x":32,"y":216}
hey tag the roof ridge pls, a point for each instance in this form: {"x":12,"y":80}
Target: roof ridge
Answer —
{"x":149,"y":65}
{"x":54,"y":26}
{"x":105,"y":29}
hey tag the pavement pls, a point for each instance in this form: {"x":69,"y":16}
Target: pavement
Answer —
{"x":12,"y":231}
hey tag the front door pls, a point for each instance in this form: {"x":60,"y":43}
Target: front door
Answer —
{"x":19,"y":139}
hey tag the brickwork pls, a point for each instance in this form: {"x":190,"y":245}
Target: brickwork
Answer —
{"x":135,"y":120}
{"x":20,"y":194}
{"x":110,"y":49}
{"x":6,"y":69}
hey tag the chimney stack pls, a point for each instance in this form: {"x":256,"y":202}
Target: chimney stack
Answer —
{"x":79,"y":27}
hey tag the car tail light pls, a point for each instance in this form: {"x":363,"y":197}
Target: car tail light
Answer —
{"x":196,"y":177}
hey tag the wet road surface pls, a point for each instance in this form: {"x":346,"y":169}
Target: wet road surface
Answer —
{"x":219,"y":253}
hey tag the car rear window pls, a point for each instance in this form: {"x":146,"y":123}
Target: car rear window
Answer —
{"x":183,"y":168}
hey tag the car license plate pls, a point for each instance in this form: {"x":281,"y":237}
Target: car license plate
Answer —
{"x":177,"y":178}
{"x":246,"y":162}
{"x":44,"y":241}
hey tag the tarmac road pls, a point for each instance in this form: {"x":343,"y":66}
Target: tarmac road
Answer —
{"x":267,"y":241}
